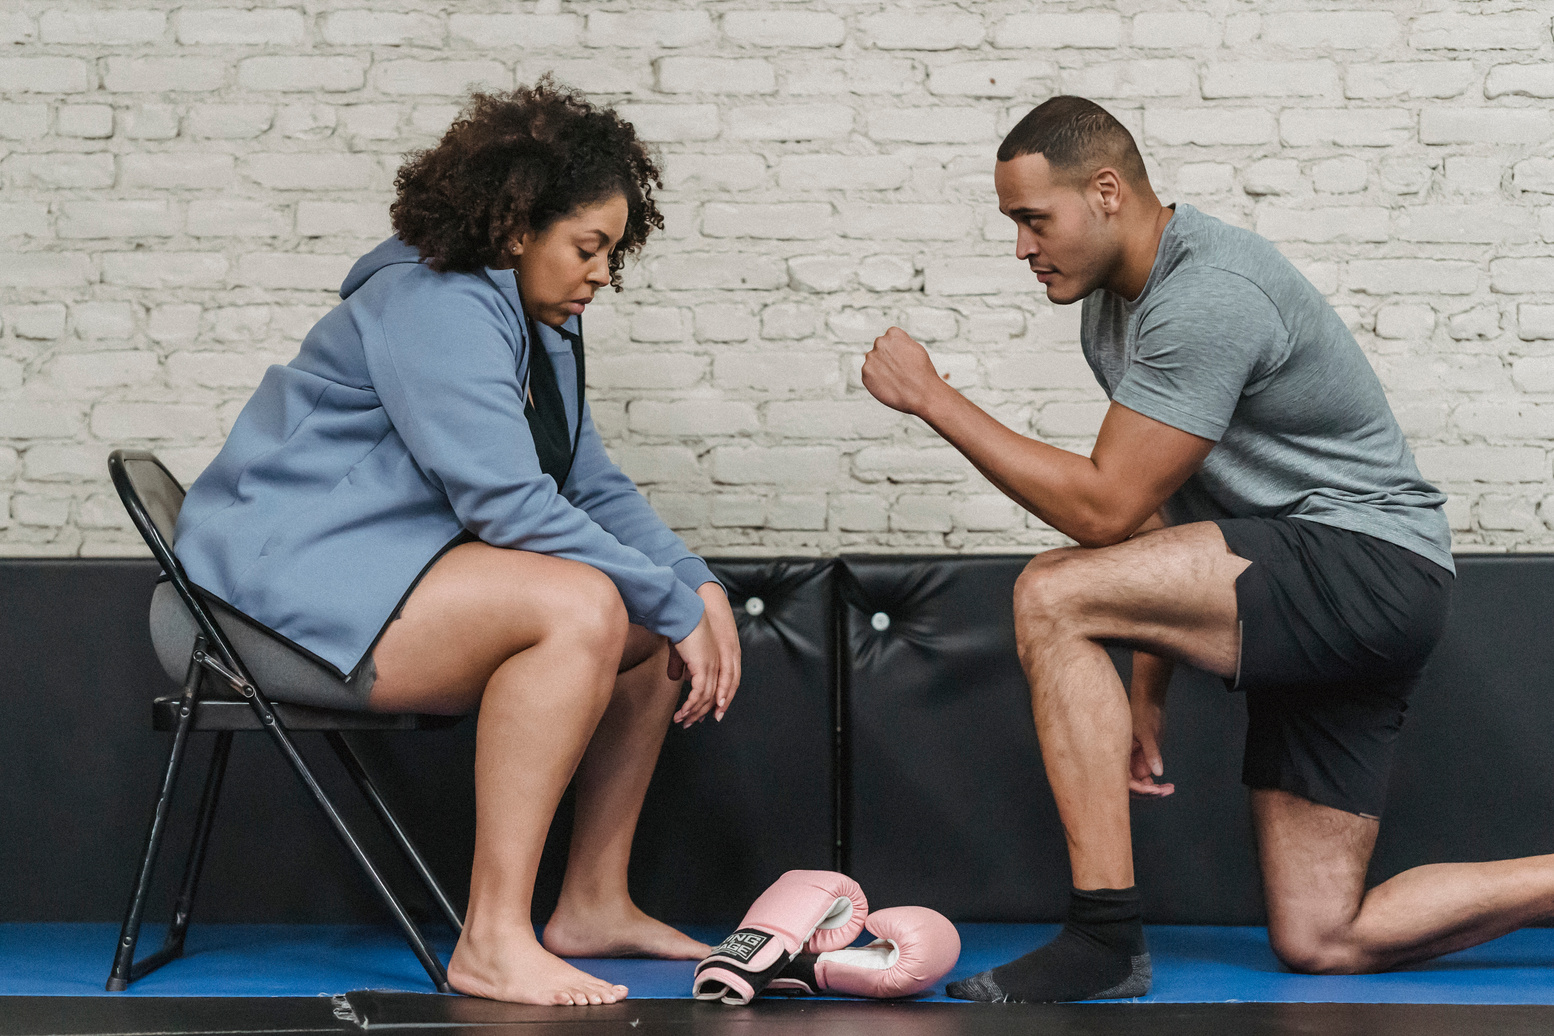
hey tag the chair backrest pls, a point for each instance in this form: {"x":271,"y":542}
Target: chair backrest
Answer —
{"x":153,"y":498}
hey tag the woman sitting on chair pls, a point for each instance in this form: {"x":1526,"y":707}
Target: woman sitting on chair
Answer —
{"x":417,"y":515}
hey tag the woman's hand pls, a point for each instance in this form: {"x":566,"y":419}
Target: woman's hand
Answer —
{"x":711,"y":656}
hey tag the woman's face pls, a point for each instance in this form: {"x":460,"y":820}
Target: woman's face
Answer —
{"x":561,"y":267}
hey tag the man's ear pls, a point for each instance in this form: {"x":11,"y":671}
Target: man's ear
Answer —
{"x":1107,"y":186}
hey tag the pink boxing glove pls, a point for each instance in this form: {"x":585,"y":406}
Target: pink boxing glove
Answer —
{"x":916,"y":948}
{"x":813,"y":910}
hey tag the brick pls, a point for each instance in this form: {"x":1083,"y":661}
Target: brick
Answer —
{"x":788,"y":320}
{"x":1205,"y":178}
{"x":690,"y":172}
{"x":24,"y":121}
{"x":906,"y":464}
{"x":161,"y":74}
{"x":659,"y":324}
{"x":707,"y":270}
{"x":230,"y":121}
{"x":922,"y":512}
{"x":456,"y":78}
{"x":40,"y":322}
{"x":1454,"y":31}
{"x":164,"y":269}
{"x":660,"y":370}
{"x":60,"y":170}
{"x":724,"y":322}
{"x":527,"y":31}
{"x":985,"y":512}
{"x":820,"y":273}
{"x":995,"y":325}
{"x":149,"y":122}
{"x":865,"y":73}
{"x":306,"y":121}
{"x":1521,"y":275}
{"x":791,"y":122}
{"x":1129,"y":79}
{"x":1534,"y":322}
{"x":77,"y":371}
{"x":692,"y":417}
{"x":98,"y":320}
{"x":236,"y":218}
{"x":782,"y":465}
{"x":35,"y":509}
{"x":1534,"y":174}
{"x":45,"y":75}
{"x":1469,"y":174}
{"x":684,"y":75}
{"x":797,"y":511}
{"x":1071,"y":420}
{"x":310,"y":172}
{"x":308,"y":74}
{"x":17,"y":27}
{"x":1505,"y":419}
{"x":178,"y":322}
{"x":239,"y":323}
{"x":1041,"y":370}
{"x":1345,"y":175}
{"x":681,"y":510}
{"x":1411,"y":322}
{"x":217,"y":369}
{"x":1481,"y":322}
{"x":859,"y":512}
{"x":905,"y":222}
{"x":1209,"y":126}
{"x":1090,"y":29}
{"x":45,"y":269}
{"x":20,"y":419}
{"x":279,"y":26}
{"x":1360,"y":127}
{"x":784,"y":28}
{"x":1408,"y":79}
{"x":887,"y":273}
{"x":980,"y":275}
{"x":346,"y":218}
{"x":1411,"y":276}
{"x":738,"y":511}
{"x":932,"y":125}
{"x":1520,"y":80}
{"x":1482,"y":463}
{"x":392,"y":29}
{"x":1176,"y":30}
{"x":87,"y":121}
{"x":930,"y":324}
{"x":1270,"y":79}
{"x":841,"y":172}
{"x":153,"y":421}
{"x":831,"y":419}
{"x":433,"y":119}
{"x":176,"y":169}
{"x":59,"y":462}
{"x":1533,"y":373}
{"x":1339,"y":224}
{"x":671,"y":122}
{"x":672,"y":28}
{"x":775,"y":371}
{"x":1507,"y":513}
{"x":1485,"y":125}
{"x":103,"y":219}
{"x":1272,"y":176}
{"x":941,"y":28}
{"x":1405,"y":175}
{"x":1339,"y":30}
{"x":1028,"y":79}
{"x":371,"y":121}
{"x":1467,"y":224}
{"x":293,"y":270}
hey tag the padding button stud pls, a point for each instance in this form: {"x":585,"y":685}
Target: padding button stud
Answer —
{"x":754,"y":606}
{"x":880,"y":621}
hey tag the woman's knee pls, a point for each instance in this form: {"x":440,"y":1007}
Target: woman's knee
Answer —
{"x":584,"y":605}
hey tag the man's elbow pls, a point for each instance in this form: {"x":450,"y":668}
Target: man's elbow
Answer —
{"x":1103,"y":530}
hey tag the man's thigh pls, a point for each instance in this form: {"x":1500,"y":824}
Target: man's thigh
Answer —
{"x":1314,"y":860}
{"x":1170,"y":592}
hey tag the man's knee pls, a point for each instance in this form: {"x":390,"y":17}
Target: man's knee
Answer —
{"x":1044,"y":592}
{"x":1311,"y":950}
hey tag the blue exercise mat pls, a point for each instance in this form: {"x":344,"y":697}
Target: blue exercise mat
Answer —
{"x":1193,"y":964}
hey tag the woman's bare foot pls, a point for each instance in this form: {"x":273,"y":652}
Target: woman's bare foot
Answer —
{"x":617,"y":931}
{"x":520,"y":971}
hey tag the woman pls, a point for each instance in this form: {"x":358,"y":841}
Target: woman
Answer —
{"x":421,"y":504}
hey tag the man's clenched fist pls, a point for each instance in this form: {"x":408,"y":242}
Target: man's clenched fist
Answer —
{"x":898,"y":372}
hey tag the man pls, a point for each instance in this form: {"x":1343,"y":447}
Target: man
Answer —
{"x":1250,"y":508}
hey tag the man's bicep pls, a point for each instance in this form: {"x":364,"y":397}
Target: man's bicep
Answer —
{"x":1144,"y":460}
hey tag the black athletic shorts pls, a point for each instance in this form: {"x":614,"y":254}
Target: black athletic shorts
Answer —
{"x":1335,"y":628}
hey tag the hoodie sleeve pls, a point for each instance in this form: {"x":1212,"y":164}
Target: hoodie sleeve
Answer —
{"x":600,"y":487}
{"x":443,"y":357}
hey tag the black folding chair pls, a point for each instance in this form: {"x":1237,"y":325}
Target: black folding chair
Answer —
{"x":153,"y":498}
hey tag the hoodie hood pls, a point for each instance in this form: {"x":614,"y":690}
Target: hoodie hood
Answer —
{"x":388,"y":253}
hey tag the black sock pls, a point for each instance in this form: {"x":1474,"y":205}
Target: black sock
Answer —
{"x":1099,"y":955}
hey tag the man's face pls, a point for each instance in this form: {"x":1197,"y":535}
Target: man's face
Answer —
{"x":1062,"y":231}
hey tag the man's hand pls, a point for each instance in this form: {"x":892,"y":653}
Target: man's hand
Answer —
{"x":711,"y":656}
{"x":1151,"y":675}
{"x":898,"y":372}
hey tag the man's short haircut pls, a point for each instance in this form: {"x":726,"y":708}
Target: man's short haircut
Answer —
{"x":1077,"y":137}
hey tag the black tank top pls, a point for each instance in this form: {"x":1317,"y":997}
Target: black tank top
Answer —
{"x":546,"y":411}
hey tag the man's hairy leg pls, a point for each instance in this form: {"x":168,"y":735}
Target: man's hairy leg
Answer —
{"x":1321,"y":919}
{"x":1171,"y":593}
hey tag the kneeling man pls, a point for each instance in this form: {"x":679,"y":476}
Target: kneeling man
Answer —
{"x":1251,"y":508}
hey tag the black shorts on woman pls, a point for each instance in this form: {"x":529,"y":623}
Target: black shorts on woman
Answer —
{"x":1336,"y":627}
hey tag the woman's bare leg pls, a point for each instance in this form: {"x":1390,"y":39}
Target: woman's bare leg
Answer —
{"x":536,"y":641}
{"x":595,"y":916}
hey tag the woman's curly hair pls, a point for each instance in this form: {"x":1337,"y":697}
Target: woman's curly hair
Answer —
{"x":515,"y":162}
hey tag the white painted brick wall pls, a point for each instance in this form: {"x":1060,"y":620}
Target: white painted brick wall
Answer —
{"x":183,"y":185}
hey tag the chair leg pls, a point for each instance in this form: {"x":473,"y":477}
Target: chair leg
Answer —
{"x":196,"y":862}
{"x":122,"y":973}
{"x":412,"y":933}
{"x":353,"y":765}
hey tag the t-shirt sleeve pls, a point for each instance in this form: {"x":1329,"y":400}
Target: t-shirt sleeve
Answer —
{"x":1210,"y":333}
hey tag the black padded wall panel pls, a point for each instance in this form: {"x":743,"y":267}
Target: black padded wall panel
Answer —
{"x":734,"y":804}
{"x":947,"y":801}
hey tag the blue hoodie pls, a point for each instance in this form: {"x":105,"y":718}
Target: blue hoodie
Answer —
{"x":398,"y":429}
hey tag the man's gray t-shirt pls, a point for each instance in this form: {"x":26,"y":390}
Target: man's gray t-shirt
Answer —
{"x":1229,"y":342}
